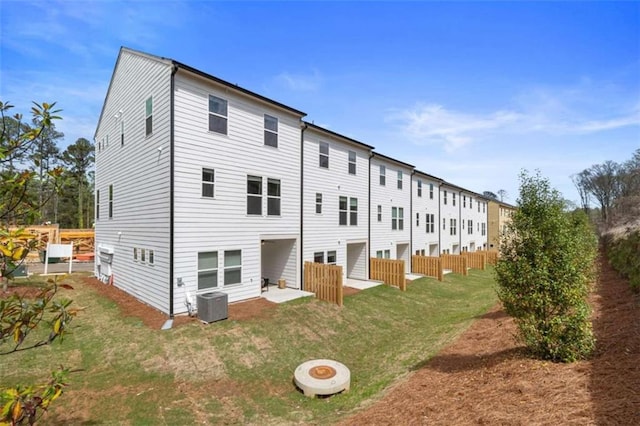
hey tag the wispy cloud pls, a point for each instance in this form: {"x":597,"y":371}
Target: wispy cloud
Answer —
{"x":572,"y":111}
{"x":300,"y":82}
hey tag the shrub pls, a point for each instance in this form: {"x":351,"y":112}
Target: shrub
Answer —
{"x":544,"y":273}
{"x":624,"y":256}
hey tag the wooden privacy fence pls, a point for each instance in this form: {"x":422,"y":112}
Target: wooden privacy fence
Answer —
{"x":475,"y":260}
{"x":492,"y":256}
{"x":455,"y":262}
{"x":427,"y":265}
{"x":324,"y":280}
{"x":389,"y":271}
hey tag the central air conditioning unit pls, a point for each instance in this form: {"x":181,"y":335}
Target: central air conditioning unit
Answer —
{"x":212,"y":306}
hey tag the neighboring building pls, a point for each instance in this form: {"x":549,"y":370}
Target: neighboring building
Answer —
{"x":202,"y":185}
{"x":390,"y":191}
{"x":336,"y":201}
{"x":499,"y":215}
{"x":187,"y":195}
{"x":425,"y":214}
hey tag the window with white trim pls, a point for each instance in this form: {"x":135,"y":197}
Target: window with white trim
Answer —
{"x":484,"y":228}
{"x":318,"y":202}
{"x":379,"y":213}
{"x":218,"y":114}
{"x":419,"y":188}
{"x":135,"y":254}
{"x":397,"y":218}
{"x":254,"y":195}
{"x":379,"y":254}
{"x":444,"y":224}
{"x":454,"y":228}
{"x":97,"y":204}
{"x":270,"y":131}
{"x":324,"y":155}
{"x":445,"y":197}
{"x":464,"y":201}
{"x":470,"y":227}
{"x":142,"y":255}
{"x":331,"y":257}
{"x":399,"y":179}
{"x":148,"y":121}
{"x":273,"y":197}
{"x":342,"y":211}
{"x":478,"y":203}
{"x":318,"y":257}
{"x":352,"y":162}
{"x":232,"y":267}
{"x":207,"y":270}
{"x":430,"y":220}
{"x":151,"y":257}
{"x":387,"y":254}
{"x":353,"y":211}
{"x":208,"y":179}
{"x":484,"y":207}
{"x":470,"y":203}
{"x":383,"y":175}
{"x":122,"y":133}
{"x":453,"y":198}
{"x":417,"y":219}
{"x":110,"y":201}
{"x":431,"y":191}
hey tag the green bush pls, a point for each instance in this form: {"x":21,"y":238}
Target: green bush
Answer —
{"x":544,"y":273}
{"x":624,"y":256}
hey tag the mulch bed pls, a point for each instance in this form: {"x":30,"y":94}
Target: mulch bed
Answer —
{"x":484,"y":377}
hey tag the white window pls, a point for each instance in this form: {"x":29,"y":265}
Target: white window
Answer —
{"x":464,"y":201}
{"x":387,"y":254}
{"x":149,"y":116}
{"x":97,"y":204}
{"x":431,"y":191}
{"x":445,"y":197}
{"x":318,"y":202}
{"x":232,"y":267}
{"x":470,"y":226}
{"x":453,"y":230}
{"x":254,"y":195}
{"x":207,"y":270}
{"x":318,"y":257}
{"x":383,"y":175}
{"x":417,"y":219}
{"x":324,"y":155}
{"x":484,"y":207}
{"x":270,"y":131}
{"x":484,"y":228}
{"x":478,"y":203}
{"x":379,"y":213}
{"x":273,"y":197}
{"x":453,"y":198}
{"x":331,"y":257}
{"x":352,"y":163}
{"x":394,"y":218}
{"x":142,"y":255}
{"x":353,"y":211}
{"x":444,"y":224}
{"x":470,"y":203}
{"x":151,"y":257}
{"x":430,"y":219}
{"x":342,"y":211}
{"x":419,"y":188}
{"x":122,"y":133}
{"x":110,"y":201}
{"x":379,"y":254}
{"x":399,"y":179}
{"x":217,"y":115}
{"x":208,"y":179}
{"x":135,"y":254}
{"x":401,"y":218}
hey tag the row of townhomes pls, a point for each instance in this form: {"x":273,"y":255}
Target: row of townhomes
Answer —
{"x":202,"y":185}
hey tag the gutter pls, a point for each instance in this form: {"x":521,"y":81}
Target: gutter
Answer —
{"x":413,"y":172}
{"x":303,"y":127}
{"x":439,"y":220}
{"x":460,"y":218}
{"x":171,"y":188}
{"x":369,"y":221}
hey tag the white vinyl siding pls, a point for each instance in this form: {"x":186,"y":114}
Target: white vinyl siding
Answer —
{"x":425,"y":234}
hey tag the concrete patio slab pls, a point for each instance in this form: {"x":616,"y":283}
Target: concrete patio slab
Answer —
{"x":361,"y":284}
{"x":281,"y":295}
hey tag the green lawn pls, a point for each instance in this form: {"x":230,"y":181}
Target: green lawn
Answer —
{"x":241,"y":371}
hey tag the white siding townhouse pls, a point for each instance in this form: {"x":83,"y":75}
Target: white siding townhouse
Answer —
{"x":192,"y":194}
{"x":390,"y":209}
{"x":425,"y":214}
{"x":336,"y":200}
{"x":202,"y":185}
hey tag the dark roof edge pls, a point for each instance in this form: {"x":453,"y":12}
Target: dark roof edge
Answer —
{"x":467,"y":190}
{"x":428,"y":175}
{"x":338,"y":135}
{"x":377,"y":154}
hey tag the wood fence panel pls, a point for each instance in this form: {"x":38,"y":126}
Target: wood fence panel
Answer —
{"x":325,"y":281}
{"x":455,"y":262}
{"x":476,"y":260}
{"x":427,"y":265}
{"x":389,"y":271}
{"x":492,"y":256}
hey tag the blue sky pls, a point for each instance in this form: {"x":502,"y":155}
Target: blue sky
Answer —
{"x":470,"y":92}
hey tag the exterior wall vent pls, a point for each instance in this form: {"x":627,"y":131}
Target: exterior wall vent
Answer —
{"x":212,"y":306}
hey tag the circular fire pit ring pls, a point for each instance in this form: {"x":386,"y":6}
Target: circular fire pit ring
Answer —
{"x":322,"y":377}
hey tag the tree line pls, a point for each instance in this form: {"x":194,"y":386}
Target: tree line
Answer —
{"x":615,"y":187}
{"x":40,"y":182}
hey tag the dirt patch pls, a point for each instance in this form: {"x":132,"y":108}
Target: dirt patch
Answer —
{"x":349,"y":291}
{"x":485,"y":378}
{"x":131,"y":307}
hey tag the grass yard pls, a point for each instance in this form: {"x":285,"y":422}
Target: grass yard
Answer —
{"x":241,"y":371}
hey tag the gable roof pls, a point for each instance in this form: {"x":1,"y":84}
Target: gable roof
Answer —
{"x":402,"y":163}
{"x":337,"y":135}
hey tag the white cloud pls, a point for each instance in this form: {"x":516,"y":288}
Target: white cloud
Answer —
{"x":300,"y":82}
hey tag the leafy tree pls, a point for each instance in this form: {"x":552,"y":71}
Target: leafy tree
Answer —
{"x":80,"y":157}
{"x":544,"y":273}
{"x":44,"y":156}
{"x":490,"y":194}
{"x":502,"y":194}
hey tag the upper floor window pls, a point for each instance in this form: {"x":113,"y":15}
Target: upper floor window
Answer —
{"x":218,"y":114}
{"x":417,"y":219}
{"x":444,"y":223}
{"x":470,"y":202}
{"x":352,"y":162}
{"x":470,"y":226}
{"x":318,"y":202}
{"x":399,"y":179}
{"x":431,"y":191}
{"x":453,"y":198}
{"x":110,"y":201}
{"x":122,"y":133}
{"x":342,"y":211}
{"x":478,"y":203}
{"x":453,"y":230}
{"x":430,"y":219}
{"x":379,"y":213}
{"x":353,"y":211}
{"x":397,"y":218}
{"x":208,"y":179}
{"x":149,"y":116}
{"x":273,"y":197}
{"x":419,"y":188}
{"x":270,"y":131}
{"x":383,"y":175}
{"x":464,"y":201}
{"x":324,"y":155}
{"x":254,"y":195}
{"x":97,"y":204}
{"x":445,"y":197}
{"x":484,"y":207}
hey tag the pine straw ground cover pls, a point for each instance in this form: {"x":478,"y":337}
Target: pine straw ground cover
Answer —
{"x":485,"y":378}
